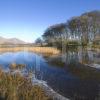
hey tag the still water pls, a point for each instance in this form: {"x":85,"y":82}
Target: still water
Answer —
{"x":67,"y":73}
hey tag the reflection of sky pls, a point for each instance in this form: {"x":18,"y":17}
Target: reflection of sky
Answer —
{"x":27,"y":19}
{"x":20,"y":58}
{"x":68,"y":82}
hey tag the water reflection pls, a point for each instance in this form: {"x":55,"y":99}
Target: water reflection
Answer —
{"x":65,"y":73}
{"x":81,"y":55}
{"x":80,"y":82}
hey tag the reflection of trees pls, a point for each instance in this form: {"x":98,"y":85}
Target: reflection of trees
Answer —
{"x":71,"y":57}
{"x":82,"y":55}
{"x":87,"y":56}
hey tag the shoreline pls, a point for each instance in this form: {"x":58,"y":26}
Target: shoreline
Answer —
{"x":49,"y":91}
{"x":42,"y":50}
{"x":40,"y":83}
{"x":95,"y":66}
{"x":43,"y":84}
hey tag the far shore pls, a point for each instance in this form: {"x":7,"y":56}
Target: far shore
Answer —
{"x":43,"y":50}
{"x":39,"y":49}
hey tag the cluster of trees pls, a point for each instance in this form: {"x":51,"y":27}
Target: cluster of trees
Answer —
{"x":80,"y":30}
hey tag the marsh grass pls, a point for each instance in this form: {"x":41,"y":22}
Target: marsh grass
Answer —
{"x":17,"y":87}
{"x":43,"y":50}
{"x":14,"y":66}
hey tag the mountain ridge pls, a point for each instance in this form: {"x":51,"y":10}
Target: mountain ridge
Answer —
{"x":11,"y":41}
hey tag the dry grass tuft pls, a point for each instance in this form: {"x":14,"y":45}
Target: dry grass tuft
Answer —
{"x":16,"y":66}
{"x":17,"y":87}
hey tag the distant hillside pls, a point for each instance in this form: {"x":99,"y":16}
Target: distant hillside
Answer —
{"x":11,"y":41}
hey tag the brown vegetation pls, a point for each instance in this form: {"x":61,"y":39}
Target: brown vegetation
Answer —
{"x":48,"y":50}
{"x":17,"y":66}
{"x":17,"y":87}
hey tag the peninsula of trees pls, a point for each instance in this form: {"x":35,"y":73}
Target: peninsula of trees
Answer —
{"x":80,"y":30}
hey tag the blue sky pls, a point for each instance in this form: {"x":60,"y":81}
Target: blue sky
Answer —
{"x":28,"y":19}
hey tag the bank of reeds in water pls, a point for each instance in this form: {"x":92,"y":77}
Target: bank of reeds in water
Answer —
{"x":14,"y":66}
{"x":43,"y":50}
{"x":18,"y":87}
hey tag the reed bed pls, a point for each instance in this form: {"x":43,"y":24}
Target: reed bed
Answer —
{"x":48,"y":50}
{"x":14,"y":66}
{"x":17,"y":87}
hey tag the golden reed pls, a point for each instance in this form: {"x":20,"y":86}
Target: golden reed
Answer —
{"x":44,"y":50}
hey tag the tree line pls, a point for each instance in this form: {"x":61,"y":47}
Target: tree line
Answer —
{"x":80,"y":30}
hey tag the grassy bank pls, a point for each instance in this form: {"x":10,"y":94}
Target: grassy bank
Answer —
{"x":47,"y":50}
{"x":17,"y":87}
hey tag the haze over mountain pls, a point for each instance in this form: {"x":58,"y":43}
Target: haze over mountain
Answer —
{"x":11,"y":41}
